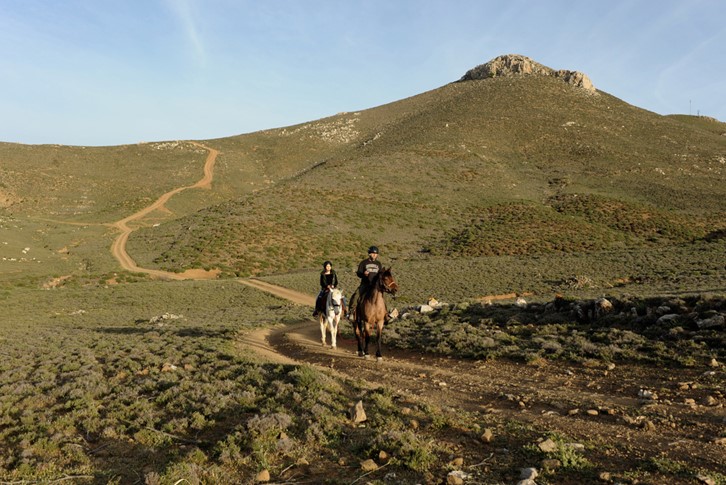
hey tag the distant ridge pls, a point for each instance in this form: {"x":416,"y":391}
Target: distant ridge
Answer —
{"x":518,"y":65}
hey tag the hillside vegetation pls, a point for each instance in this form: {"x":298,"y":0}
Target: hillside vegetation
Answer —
{"x":504,"y":166}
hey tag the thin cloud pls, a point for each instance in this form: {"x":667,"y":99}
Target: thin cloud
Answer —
{"x":184,"y":11}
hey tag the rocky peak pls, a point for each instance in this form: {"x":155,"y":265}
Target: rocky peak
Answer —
{"x":517,"y":65}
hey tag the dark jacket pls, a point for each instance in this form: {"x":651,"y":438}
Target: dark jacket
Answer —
{"x":373,"y":267}
{"x":328,"y":279}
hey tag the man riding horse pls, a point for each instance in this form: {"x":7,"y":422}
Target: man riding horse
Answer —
{"x":367,"y":270}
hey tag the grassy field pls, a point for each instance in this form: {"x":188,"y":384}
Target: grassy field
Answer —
{"x":505,"y":186}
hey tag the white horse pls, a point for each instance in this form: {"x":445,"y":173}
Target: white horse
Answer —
{"x":330,"y":318}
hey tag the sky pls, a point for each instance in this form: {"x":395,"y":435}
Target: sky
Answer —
{"x":113,"y":72}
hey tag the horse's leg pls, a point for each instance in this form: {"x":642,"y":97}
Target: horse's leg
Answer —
{"x":334,"y":331}
{"x":379,"y":332}
{"x":368,"y":339}
{"x":358,"y":337}
{"x":322,"y":328}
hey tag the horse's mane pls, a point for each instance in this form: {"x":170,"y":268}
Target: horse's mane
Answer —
{"x":375,"y":282}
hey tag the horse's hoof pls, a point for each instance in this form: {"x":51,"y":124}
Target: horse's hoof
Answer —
{"x":365,"y":356}
{"x":379,"y":359}
{"x":361,"y":354}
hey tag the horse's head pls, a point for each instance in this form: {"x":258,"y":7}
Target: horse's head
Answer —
{"x":387,"y":282}
{"x":335,"y":297}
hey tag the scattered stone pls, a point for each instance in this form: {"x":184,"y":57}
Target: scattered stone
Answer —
{"x":263,"y":476}
{"x":689,"y":401}
{"x":551,"y":464}
{"x":425,"y":309}
{"x":528,"y":473}
{"x":168,"y":367}
{"x":487,"y":436}
{"x":593,"y":412}
{"x":720,"y":441}
{"x":161,"y":319}
{"x":646,"y":394}
{"x":611,"y":366}
{"x":521,"y":302}
{"x":357,"y":413}
{"x":714,"y":363}
{"x":457,"y":462}
{"x":647,"y":425}
{"x":705,"y":479}
{"x":393,"y":314}
{"x":368,"y":465}
{"x":414,"y":424}
{"x":383,"y":456}
{"x":548,"y":446}
{"x":713,"y":322}
{"x":575,"y":446}
{"x":456,"y":477}
{"x":605,"y":476}
{"x":710,"y":401}
{"x":572,"y":412}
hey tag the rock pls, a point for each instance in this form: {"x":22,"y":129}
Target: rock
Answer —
{"x":528,"y":473}
{"x":383,"y":456}
{"x":511,"y":65}
{"x":456,"y":477}
{"x":648,"y":425}
{"x":433,"y":302}
{"x":425,"y":309}
{"x":646,"y":394}
{"x":667,"y":319}
{"x":689,"y":402}
{"x":551,"y":464}
{"x":548,"y":446}
{"x":714,"y":363}
{"x":593,"y":412}
{"x":527,"y":482}
{"x":487,"y":436}
{"x":713,"y":322}
{"x":709,"y":401}
{"x":605,"y":476}
{"x":413,"y":424}
{"x":263,"y":476}
{"x":603,"y":306}
{"x":572,"y":412}
{"x":705,"y":479}
{"x":368,"y":465}
{"x":720,"y":441}
{"x":521,"y":302}
{"x":357,"y":413}
{"x":393,"y":314}
{"x":457,"y":462}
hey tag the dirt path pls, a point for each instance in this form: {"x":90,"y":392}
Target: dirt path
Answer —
{"x":118,"y":248}
{"x":597,"y":406}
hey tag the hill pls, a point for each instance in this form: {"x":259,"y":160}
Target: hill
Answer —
{"x":517,"y":161}
{"x":514,"y":165}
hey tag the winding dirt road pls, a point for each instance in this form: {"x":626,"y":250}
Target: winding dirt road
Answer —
{"x":118,"y":248}
{"x":596,"y":405}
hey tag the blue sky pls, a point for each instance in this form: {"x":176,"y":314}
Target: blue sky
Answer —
{"x":111,"y":72}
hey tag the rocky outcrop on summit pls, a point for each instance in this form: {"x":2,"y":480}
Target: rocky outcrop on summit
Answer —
{"x":516,"y":65}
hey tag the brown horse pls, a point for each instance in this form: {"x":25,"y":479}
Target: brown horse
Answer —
{"x":371,"y":310}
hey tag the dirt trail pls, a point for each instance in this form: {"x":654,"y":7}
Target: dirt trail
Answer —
{"x":118,"y":248}
{"x":599,"y":406}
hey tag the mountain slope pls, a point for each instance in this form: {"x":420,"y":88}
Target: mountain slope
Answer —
{"x":411,"y":174}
